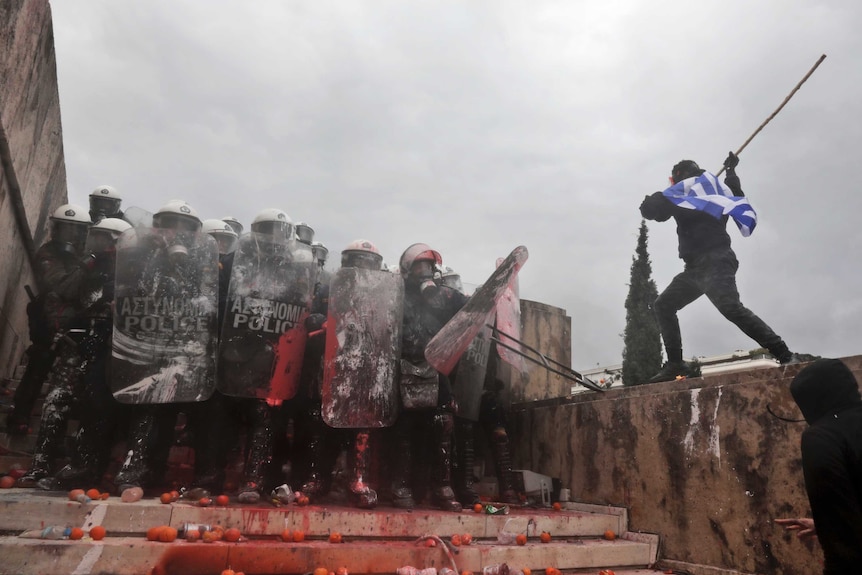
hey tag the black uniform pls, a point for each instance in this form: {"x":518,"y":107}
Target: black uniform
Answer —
{"x":828,"y":395}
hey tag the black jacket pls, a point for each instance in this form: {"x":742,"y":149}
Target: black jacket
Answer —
{"x":698,"y":232}
{"x":828,"y":395}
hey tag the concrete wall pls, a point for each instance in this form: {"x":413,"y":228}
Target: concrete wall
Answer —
{"x":30,"y":119}
{"x":700,"y":462}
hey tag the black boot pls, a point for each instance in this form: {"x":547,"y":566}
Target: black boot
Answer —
{"x":402,"y":494}
{"x":670,"y":371}
{"x":259,"y":453}
{"x":135,"y":471}
{"x":462,"y":465}
{"x":359,"y":461}
{"x":503,"y":463}
{"x":319,"y":478}
{"x":442,"y":494}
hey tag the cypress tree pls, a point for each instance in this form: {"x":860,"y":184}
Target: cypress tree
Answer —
{"x":642,"y":339}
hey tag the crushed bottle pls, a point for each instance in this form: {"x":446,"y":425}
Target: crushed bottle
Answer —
{"x":52,"y":532}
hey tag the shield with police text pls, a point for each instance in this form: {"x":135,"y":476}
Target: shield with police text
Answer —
{"x":165,"y":317}
{"x":363,"y":348}
{"x":263,"y":335}
{"x":469,"y":375}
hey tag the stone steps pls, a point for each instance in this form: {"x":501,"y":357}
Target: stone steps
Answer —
{"x":375,"y":541}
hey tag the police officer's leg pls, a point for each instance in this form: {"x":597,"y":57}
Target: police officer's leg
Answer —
{"x":720,"y":287}
{"x":493,"y":422}
{"x":259,"y":451}
{"x":443,"y":425}
{"x":209,"y":439}
{"x":40,"y":357}
{"x":359,"y":462}
{"x":401,"y":450}
{"x":464,"y":461}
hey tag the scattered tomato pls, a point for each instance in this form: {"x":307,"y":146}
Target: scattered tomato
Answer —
{"x":456,"y":540}
{"x":193,"y":535}
{"x":430,"y":543}
{"x":545,"y":537}
{"x":165,"y":498}
{"x":97,"y":533}
{"x":335,"y":537}
{"x":94,"y":493}
{"x":610,"y":535}
{"x":6,"y":482}
{"x":465,"y":572}
{"x":302,"y":500}
{"x":232,"y":535}
{"x":552,"y":571}
{"x":175,"y":495}
{"x":209,"y":536}
{"x":466,"y":539}
{"x":342,"y":571}
{"x":527,"y":571}
{"x":521,"y":539}
{"x":321,"y":571}
{"x":557,"y":506}
{"x":75,"y":494}
{"x":478,"y":508}
{"x":287,"y":535}
{"x":76,"y":533}
{"x":205,"y":502}
{"x":104,"y":496}
{"x":222,"y":500}
{"x":168,"y":534}
{"x":298,"y":536}
{"x":606,"y":572}
{"x":153,"y":533}
{"x":228,"y":571}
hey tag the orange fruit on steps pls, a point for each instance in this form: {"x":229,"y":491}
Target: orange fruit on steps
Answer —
{"x":168,"y":534}
{"x":6,"y":482}
{"x":303,"y":500}
{"x":175,"y":495}
{"x":94,"y":493}
{"x":76,"y":533}
{"x":75,"y":494}
{"x":552,"y":571}
{"x":105,"y":496}
{"x":478,"y":508}
{"x":607,"y":572}
{"x":232,"y":535}
{"x":321,"y":571}
{"x":610,"y":535}
{"x":521,"y":539}
{"x":222,"y":500}
{"x":193,"y":535}
{"x":456,"y":540}
{"x":153,"y":533}
{"x":97,"y":533}
{"x":205,"y":502}
{"x":228,"y":571}
{"x":209,"y":537}
{"x":342,"y":571}
{"x":466,"y":573}
{"x":165,"y":498}
{"x":466,"y":539}
{"x":335,"y":537}
{"x":545,"y":537}
{"x":430,"y":543}
{"x":558,"y":506}
{"x":287,"y":535}
{"x":527,"y":571}
{"x":299,"y":536}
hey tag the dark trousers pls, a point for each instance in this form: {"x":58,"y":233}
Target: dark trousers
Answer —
{"x":40,"y":359}
{"x":712,"y":274}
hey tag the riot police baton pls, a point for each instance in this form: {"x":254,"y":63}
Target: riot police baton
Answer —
{"x":544,"y":361}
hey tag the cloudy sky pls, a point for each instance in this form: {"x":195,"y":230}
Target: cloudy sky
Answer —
{"x":478,"y":125}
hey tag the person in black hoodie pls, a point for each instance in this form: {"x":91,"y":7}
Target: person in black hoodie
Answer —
{"x":828,"y":396}
{"x":710,"y":269}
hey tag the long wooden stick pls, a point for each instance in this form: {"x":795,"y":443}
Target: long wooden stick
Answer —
{"x":775,"y":113}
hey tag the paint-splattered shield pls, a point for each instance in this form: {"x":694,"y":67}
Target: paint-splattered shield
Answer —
{"x":263,"y":335}
{"x":508,"y":320}
{"x":363,"y":347}
{"x":164,"y":340}
{"x":469,"y":381}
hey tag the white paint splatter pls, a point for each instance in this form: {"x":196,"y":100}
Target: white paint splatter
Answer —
{"x":688,"y":442}
{"x":715,"y":431}
{"x":713,"y":446}
{"x":85,"y":567}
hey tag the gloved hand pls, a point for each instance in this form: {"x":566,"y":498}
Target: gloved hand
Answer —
{"x":731,"y":161}
{"x":314,"y":322}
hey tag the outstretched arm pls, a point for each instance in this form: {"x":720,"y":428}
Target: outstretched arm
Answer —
{"x":804,"y":527}
{"x":732,"y":180}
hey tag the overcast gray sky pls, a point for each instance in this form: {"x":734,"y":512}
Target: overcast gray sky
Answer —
{"x":476,"y":126}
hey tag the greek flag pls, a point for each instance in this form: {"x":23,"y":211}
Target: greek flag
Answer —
{"x":706,"y":193}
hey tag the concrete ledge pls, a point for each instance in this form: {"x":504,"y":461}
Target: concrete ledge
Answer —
{"x":135,"y":556}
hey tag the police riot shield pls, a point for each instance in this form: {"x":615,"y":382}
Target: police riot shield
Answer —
{"x":363,"y":347}
{"x":164,"y":341}
{"x":508,"y":321}
{"x":263,"y":334}
{"x":469,"y":381}
{"x":138,"y":217}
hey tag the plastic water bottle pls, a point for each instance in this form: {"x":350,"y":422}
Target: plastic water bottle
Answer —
{"x":52,"y":532}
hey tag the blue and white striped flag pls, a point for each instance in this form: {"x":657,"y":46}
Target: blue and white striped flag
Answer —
{"x":706,"y":193}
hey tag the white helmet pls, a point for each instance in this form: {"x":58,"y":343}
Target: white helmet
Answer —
{"x":177,"y":214}
{"x":361,"y":254}
{"x":223,"y":234}
{"x":234,"y":224}
{"x":273,"y":222}
{"x":69,"y":225}
{"x":417,"y":253}
{"x":304,"y":233}
{"x":103,"y":234}
{"x":104,"y":202}
{"x":451,"y":278}
{"x":320,"y":252}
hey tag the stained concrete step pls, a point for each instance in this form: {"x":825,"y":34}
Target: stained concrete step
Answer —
{"x":127,"y":555}
{"x":376,"y":541}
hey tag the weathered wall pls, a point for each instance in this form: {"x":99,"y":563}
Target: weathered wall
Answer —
{"x":700,"y":462}
{"x":30,"y":118}
{"x":548,"y":329}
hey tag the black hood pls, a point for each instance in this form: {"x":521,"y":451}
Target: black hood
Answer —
{"x":825,"y":387}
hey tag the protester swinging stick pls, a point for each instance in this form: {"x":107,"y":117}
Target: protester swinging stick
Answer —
{"x":775,"y":113}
